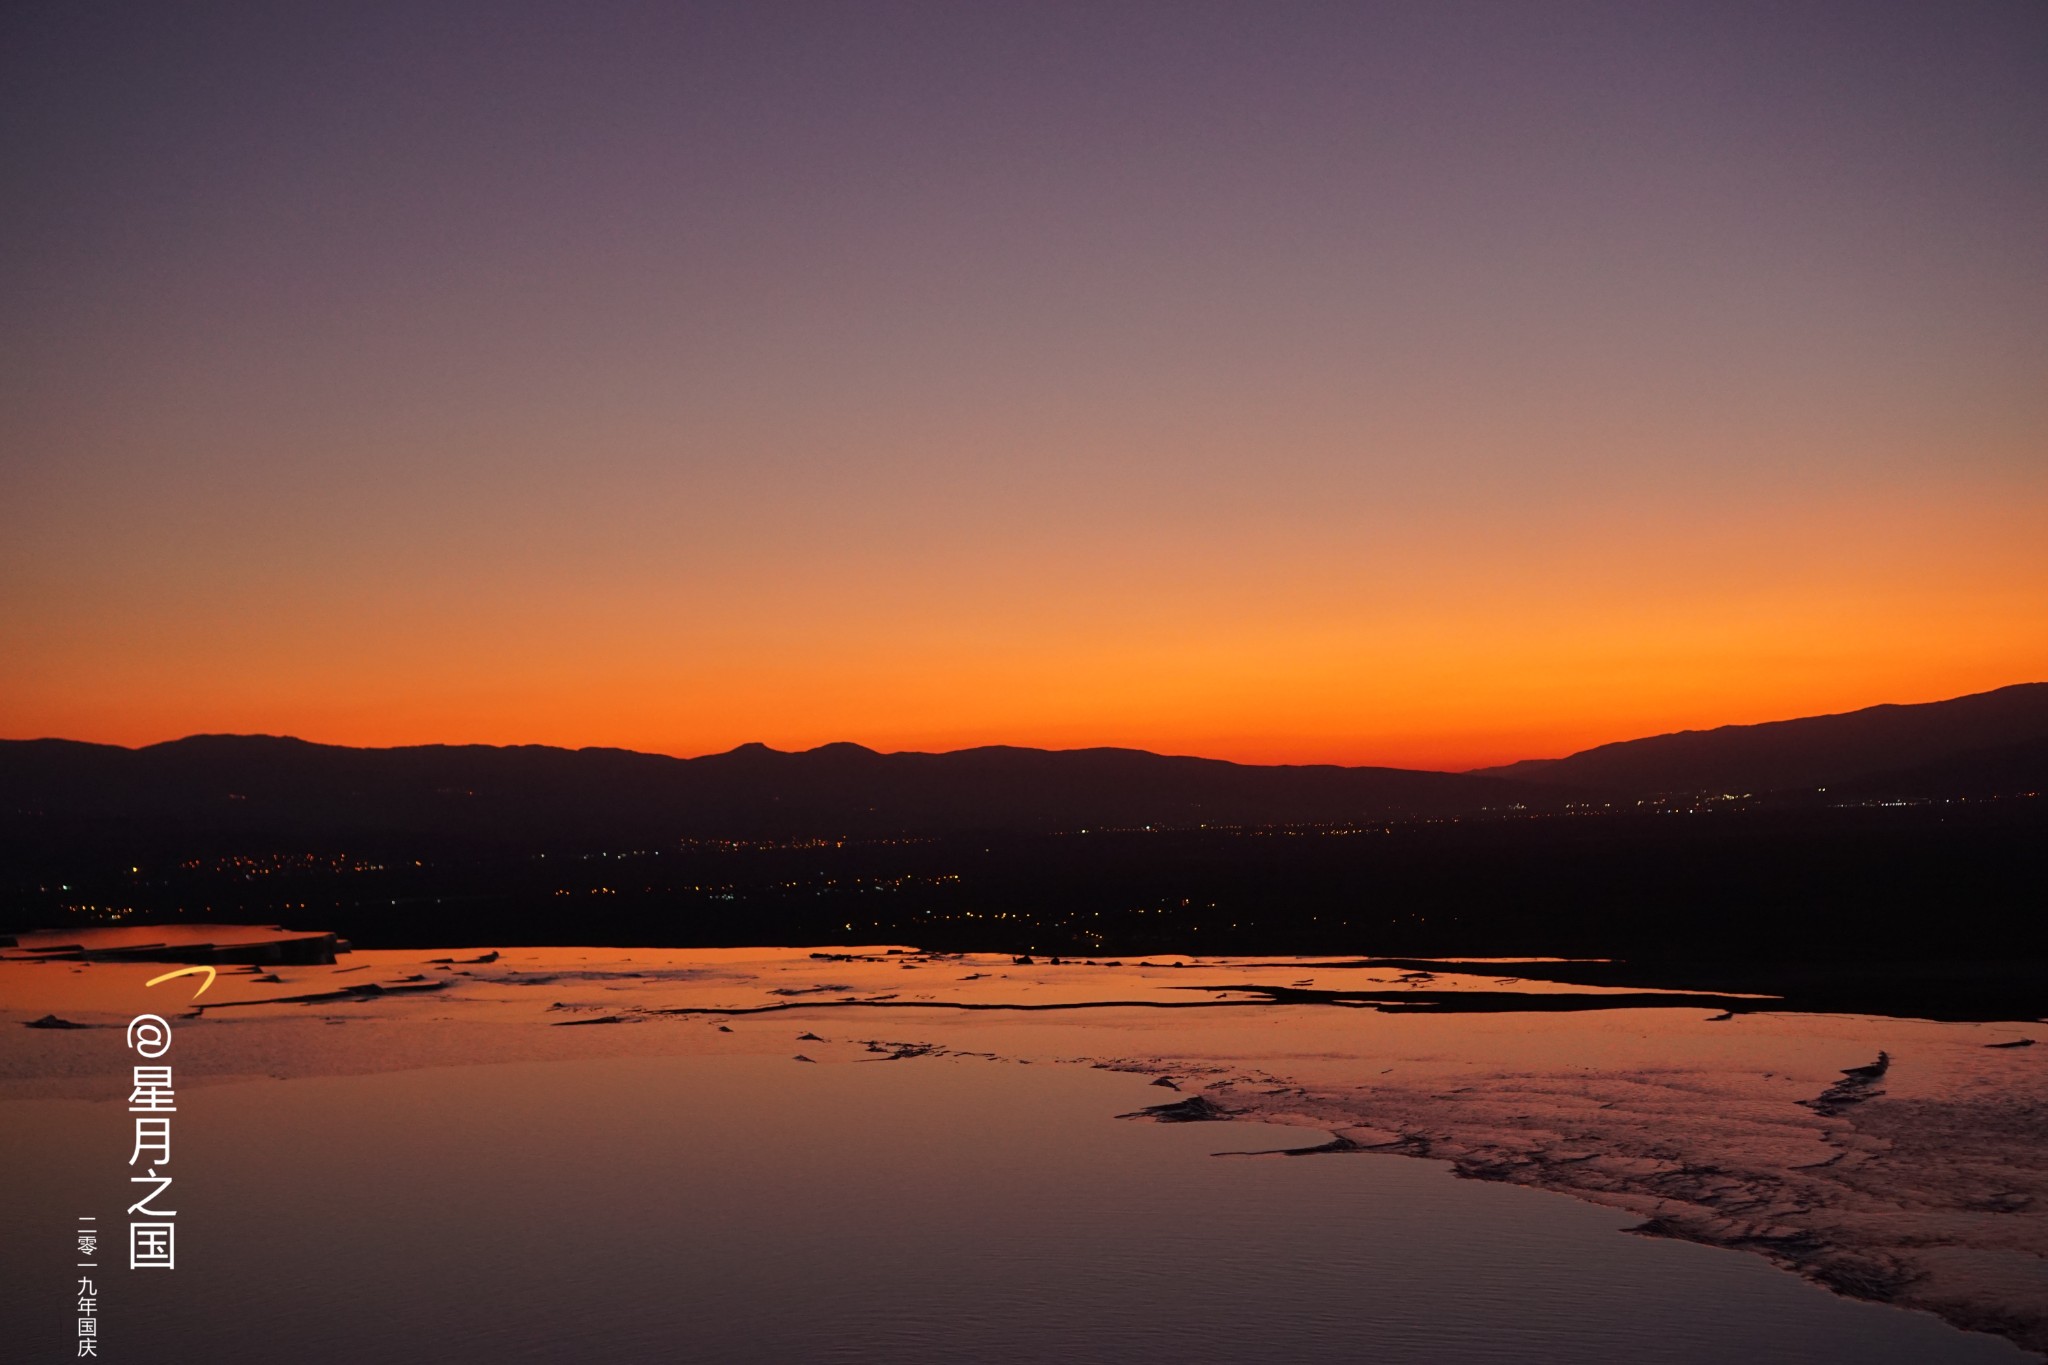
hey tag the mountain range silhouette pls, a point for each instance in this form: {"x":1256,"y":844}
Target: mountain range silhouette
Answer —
{"x":1984,"y":745}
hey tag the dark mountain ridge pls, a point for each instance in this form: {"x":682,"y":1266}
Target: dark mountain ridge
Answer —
{"x":1990,"y":744}
{"x":1090,"y":852}
{"x":1964,"y":746}
{"x":288,"y":786}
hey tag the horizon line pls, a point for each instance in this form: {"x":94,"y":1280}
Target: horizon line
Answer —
{"x":762,"y":746}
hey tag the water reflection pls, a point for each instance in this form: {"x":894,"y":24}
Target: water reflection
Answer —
{"x":765,"y":1211}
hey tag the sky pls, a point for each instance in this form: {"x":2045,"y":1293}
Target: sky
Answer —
{"x":1431,"y":385}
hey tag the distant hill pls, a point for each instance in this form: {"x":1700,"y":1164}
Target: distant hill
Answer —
{"x":232,"y":785}
{"x":1983,"y":744}
{"x":2002,"y":770}
{"x":985,"y":848}
{"x":244,"y":783}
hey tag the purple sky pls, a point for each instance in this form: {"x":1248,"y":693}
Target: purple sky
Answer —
{"x":480,"y":371}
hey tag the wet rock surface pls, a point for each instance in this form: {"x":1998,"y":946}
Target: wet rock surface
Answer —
{"x":1893,"y":1159}
{"x":1194,"y":1109}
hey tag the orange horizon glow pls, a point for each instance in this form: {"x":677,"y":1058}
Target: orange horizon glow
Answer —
{"x":1796,"y":615}
{"x":1456,"y":753}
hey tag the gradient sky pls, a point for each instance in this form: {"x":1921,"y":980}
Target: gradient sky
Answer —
{"x":1431,"y":384}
